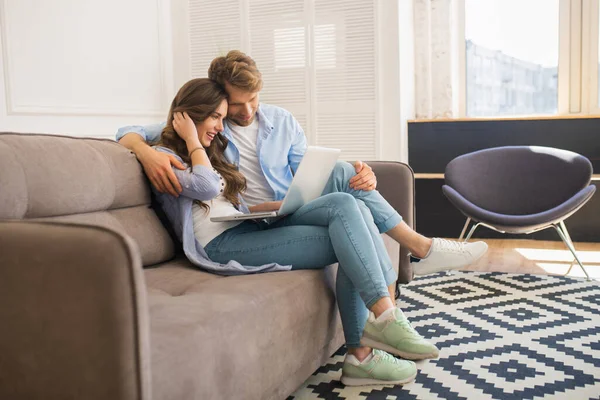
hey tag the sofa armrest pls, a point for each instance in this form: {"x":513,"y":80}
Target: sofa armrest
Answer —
{"x":73,"y":312}
{"x":396,"y":183}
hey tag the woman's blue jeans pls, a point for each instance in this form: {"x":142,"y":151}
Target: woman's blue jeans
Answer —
{"x":344,"y":226}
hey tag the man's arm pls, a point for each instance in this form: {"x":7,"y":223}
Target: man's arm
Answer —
{"x":298,"y":147}
{"x":157,"y":165}
{"x":149,"y":133}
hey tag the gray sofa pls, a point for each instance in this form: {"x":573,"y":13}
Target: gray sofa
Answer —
{"x":97,"y":304}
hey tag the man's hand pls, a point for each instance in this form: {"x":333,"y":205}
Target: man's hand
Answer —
{"x":267,"y":206}
{"x":364,"y":178}
{"x":157,"y":166}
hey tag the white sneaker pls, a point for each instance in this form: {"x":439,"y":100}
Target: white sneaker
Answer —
{"x":446,"y":255}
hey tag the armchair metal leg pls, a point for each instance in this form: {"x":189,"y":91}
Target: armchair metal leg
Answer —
{"x":566,"y":232}
{"x":464,"y":229}
{"x":452,"y":272}
{"x":566,"y":238}
{"x":472,"y":231}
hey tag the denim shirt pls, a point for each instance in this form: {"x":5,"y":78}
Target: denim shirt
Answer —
{"x":200,"y":183}
{"x":281,"y":144}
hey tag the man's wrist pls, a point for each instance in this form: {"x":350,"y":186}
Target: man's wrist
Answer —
{"x":140,"y":148}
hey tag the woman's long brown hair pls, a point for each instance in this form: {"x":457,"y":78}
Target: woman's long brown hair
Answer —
{"x":200,"y":98}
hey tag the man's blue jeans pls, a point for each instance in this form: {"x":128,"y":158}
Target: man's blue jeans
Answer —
{"x":344,"y":226}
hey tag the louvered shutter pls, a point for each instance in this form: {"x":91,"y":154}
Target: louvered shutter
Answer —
{"x":215,"y":28}
{"x":278,"y":43}
{"x":345,"y":68}
{"x":318,"y":59}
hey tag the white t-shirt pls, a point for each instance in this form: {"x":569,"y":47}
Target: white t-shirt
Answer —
{"x":258,"y":189}
{"x":204,"y":229}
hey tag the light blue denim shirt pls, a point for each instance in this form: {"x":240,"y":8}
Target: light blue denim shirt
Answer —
{"x":281,"y":145}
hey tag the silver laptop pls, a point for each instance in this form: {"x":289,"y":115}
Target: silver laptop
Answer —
{"x":308,"y":184}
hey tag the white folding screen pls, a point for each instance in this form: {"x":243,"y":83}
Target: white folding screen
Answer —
{"x":278,"y":42}
{"x":345,"y":72}
{"x":214,"y":29}
{"x":318,"y":58}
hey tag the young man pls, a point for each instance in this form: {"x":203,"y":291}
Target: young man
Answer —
{"x":267,"y":143}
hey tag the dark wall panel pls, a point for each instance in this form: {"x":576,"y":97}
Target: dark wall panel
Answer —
{"x":433,"y":144}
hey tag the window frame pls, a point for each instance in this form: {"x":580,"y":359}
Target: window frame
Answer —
{"x":577,"y":59}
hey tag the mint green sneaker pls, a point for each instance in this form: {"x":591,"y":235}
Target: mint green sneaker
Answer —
{"x":398,"y":337}
{"x":381,"y":369}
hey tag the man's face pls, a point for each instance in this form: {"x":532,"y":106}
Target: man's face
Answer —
{"x":242,"y":105}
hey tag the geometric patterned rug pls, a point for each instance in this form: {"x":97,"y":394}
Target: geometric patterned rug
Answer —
{"x":501,"y":336}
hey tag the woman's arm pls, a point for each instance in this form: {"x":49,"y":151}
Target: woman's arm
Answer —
{"x":198,"y":182}
{"x":186,"y":129}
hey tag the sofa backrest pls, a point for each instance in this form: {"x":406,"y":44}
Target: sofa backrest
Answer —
{"x":80,"y":180}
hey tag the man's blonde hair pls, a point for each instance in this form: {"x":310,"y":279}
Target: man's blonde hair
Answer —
{"x":238,"y":69}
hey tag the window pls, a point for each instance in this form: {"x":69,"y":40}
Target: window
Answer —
{"x":597,"y":65}
{"x":512,"y":50}
{"x":540,"y":57}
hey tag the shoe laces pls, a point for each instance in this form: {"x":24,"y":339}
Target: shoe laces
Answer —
{"x":379,"y":355}
{"x":404,"y":324}
{"x":451,"y":246}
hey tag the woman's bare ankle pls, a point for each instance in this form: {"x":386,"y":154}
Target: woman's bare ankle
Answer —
{"x":422,"y":248}
{"x":360,"y":352}
{"x":381,"y":305}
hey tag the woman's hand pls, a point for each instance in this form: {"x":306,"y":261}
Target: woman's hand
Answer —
{"x":268,"y":206}
{"x":185,"y":127}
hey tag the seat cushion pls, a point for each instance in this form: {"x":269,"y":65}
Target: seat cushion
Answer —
{"x":176,"y":277}
{"x":518,"y":180}
{"x":262,"y":335}
{"x":519,"y":223}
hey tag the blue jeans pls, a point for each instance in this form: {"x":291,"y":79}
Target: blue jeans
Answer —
{"x":344,"y":226}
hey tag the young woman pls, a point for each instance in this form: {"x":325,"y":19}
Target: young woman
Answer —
{"x":334,"y":228}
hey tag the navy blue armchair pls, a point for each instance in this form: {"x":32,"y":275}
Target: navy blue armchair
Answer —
{"x":520,"y":189}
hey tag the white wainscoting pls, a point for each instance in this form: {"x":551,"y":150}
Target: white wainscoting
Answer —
{"x":84,"y":68}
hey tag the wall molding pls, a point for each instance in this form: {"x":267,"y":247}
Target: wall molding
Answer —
{"x":165,"y":76}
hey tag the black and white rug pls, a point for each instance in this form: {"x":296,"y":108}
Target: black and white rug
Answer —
{"x":501,"y":336}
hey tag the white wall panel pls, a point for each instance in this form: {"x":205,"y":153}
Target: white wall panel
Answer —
{"x":84,"y":68}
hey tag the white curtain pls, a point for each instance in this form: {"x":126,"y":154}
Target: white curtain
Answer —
{"x":436,"y":59}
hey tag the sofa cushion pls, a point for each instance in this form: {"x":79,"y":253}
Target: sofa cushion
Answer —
{"x":176,"y":278}
{"x":139,"y":223}
{"x":63,"y":175}
{"x":94,"y":181}
{"x":277,"y":326}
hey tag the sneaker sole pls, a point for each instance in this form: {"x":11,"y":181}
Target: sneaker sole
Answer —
{"x":421,"y":271}
{"x":365,"y":341}
{"x":369,"y":381}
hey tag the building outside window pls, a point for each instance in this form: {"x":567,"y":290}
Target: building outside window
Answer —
{"x":511,"y":57}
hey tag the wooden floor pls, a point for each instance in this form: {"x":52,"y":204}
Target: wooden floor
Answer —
{"x":537,"y":257}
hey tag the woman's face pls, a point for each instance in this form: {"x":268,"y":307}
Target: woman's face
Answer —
{"x":208,"y":129}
